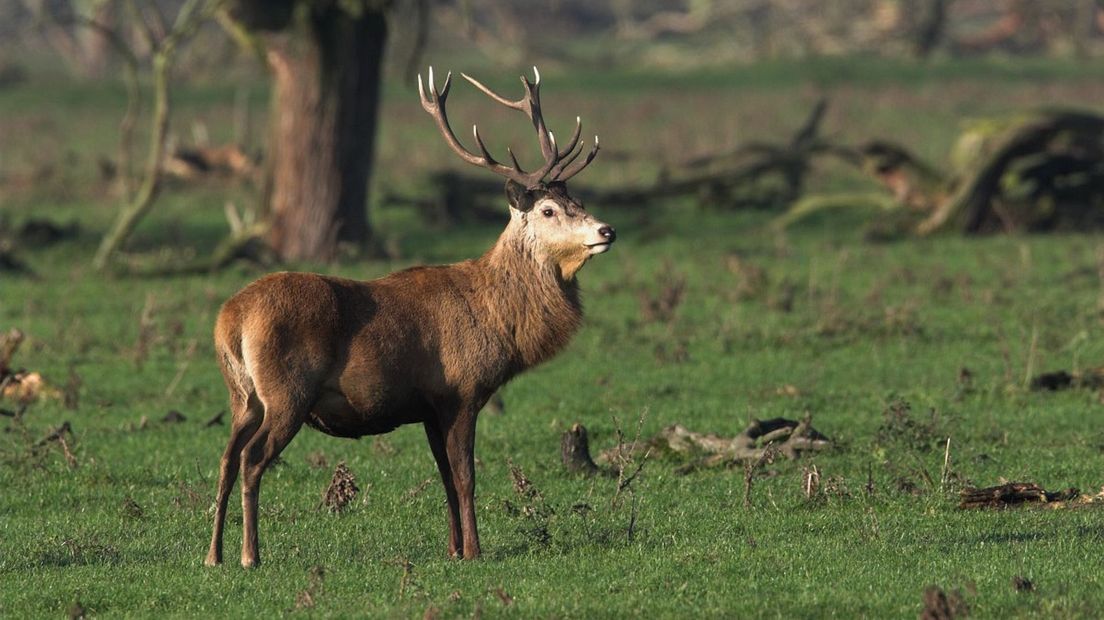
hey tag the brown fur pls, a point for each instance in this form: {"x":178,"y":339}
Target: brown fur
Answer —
{"x":426,"y":345}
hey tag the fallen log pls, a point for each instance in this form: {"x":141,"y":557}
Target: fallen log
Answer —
{"x":789,"y":438}
{"x":228,"y":160}
{"x":1092,"y":378}
{"x":1036,"y":172}
{"x":751,"y":175}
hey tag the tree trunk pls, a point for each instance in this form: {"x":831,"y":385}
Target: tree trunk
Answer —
{"x":933,"y":24}
{"x":326,"y":67}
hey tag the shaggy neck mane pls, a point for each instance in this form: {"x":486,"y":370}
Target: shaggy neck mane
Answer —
{"x":535,"y":311}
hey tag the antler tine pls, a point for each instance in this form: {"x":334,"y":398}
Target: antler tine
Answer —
{"x":564,"y":162}
{"x":574,"y":139}
{"x":520,"y":104}
{"x":513,"y":158}
{"x":483,"y":149}
{"x":445,"y":87}
{"x":568,"y":173}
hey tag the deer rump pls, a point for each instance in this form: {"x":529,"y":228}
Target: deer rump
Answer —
{"x":366,"y":359}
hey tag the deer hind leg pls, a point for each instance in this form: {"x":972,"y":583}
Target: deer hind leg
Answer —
{"x":460,"y":449}
{"x":283,"y":417}
{"x":246,"y":415}
{"x":440,"y":454}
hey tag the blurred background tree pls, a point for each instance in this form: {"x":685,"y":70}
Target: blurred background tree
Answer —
{"x":325,"y":58}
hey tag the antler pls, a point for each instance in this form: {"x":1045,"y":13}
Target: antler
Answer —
{"x":557,"y":163}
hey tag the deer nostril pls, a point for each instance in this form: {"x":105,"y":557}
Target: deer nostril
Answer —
{"x":607,"y":232}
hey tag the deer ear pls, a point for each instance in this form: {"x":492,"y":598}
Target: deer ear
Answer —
{"x":519,"y":197}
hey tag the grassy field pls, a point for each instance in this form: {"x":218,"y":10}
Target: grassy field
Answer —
{"x":815,"y":321}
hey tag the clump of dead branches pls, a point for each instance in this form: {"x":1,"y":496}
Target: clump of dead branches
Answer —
{"x":752,"y":175}
{"x":1014,"y":494}
{"x":536,"y":514}
{"x":341,"y":491}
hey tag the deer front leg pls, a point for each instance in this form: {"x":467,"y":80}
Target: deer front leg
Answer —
{"x":460,"y":448}
{"x":437,"y":445}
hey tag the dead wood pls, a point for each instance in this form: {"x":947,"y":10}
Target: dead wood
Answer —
{"x":914,"y":183}
{"x":226,"y":160}
{"x":245,"y":247}
{"x":1012,"y":494}
{"x":10,"y":263}
{"x":9,"y":344}
{"x":789,"y":438}
{"x":341,"y":491}
{"x":454,"y":198}
{"x":20,"y":385}
{"x":1039,"y":172}
{"x":37,"y":232}
{"x":751,"y":467}
{"x":62,"y":435}
{"x":751,"y":175}
{"x":1092,"y":378}
{"x":24,"y":387}
{"x":14,"y":413}
{"x":56,"y":434}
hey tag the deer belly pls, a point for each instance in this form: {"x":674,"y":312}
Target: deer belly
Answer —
{"x":334,"y":414}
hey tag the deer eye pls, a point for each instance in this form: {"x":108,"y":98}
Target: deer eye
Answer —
{"x":547,"y":213}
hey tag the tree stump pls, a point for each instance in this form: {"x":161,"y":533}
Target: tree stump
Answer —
{"x":575,"y":451}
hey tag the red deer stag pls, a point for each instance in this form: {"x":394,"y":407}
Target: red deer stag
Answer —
{"x":426,"y":345}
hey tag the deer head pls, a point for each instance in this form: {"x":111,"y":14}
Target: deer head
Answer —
{"x":550,"y":224}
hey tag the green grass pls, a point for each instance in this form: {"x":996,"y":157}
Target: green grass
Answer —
{"x":868,"y":325}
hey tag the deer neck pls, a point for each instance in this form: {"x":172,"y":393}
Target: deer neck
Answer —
{"x":533,"y":307}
